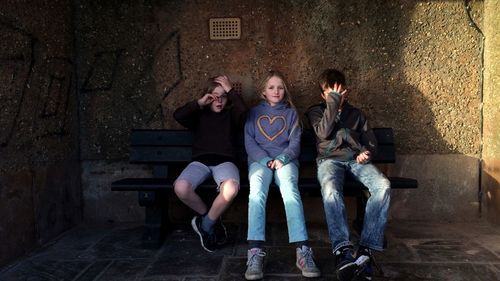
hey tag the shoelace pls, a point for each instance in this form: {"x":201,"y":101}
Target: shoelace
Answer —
{"x":252,"y":262}
{"x":370,"y":255}
{"x":309,"y":257}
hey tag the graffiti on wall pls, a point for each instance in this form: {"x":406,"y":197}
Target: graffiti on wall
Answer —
{"x":55,"y":96}
{"x":26,"y":71}
{"x":102,"y":72}
{"x":169,"y":53}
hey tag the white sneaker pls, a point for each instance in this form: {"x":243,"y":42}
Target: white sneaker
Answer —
{"x":255,"y":264}
{"x":305,"y":262}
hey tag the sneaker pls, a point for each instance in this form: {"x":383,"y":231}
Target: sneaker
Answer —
{"x":344,"y":264}
{"x":365,"y":257}
{"x":305,"y":262}
{"x":220,"y":232}
{"x":255,"y":263}
{"x":208,"y":240}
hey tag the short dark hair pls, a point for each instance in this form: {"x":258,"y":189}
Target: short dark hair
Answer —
{"x":331,"y":76}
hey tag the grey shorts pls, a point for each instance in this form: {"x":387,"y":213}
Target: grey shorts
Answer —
{"x":196,"y":173}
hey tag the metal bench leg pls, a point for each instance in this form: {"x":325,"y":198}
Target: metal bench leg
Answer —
{"x":156,"y":218}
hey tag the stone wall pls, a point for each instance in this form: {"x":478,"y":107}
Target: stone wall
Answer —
{"x":40,"y":191}
{"x":491,"y":152}
{"x":411,"y":65}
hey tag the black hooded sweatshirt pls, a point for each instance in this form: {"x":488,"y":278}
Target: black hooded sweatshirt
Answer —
{"x":213,"y":132}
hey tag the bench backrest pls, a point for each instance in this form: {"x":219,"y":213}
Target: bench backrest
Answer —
{"x":173,"y":146}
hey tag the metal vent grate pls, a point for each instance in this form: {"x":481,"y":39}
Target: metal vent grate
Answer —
{"x":225,"y":28}
{"x":237,"y":87}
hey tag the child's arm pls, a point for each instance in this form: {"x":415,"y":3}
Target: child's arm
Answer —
{"x":292,"y":152}
{"x":188,"y":115}
{"x":254,"y":151}
{"x":323,"y":122}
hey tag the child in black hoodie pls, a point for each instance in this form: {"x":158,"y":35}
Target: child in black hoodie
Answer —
{"x":214,"y":126}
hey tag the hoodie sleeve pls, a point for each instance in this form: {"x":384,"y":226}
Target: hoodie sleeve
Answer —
{"x":292,"y":152}
{"x":254,"y":151}
{"x":323,"y":123}
{"x":188,"y":115}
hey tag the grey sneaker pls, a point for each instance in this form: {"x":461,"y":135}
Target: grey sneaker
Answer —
{"x":305,"y":262}
{"x":255,"y":263}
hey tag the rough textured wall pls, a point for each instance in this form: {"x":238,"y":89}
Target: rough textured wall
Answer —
{"x":411,"y":65}
{"x":491,"y":152}
{"x":40,"y":192}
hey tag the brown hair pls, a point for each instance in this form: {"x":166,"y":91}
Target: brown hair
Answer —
{"x":210,"y":85}
{"x":329,"y":77}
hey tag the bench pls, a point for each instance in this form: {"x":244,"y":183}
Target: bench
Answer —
{"x":169,"y":151}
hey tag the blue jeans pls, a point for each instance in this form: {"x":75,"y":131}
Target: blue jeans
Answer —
{"x":331,"y":175}
{"x":286,"y":179}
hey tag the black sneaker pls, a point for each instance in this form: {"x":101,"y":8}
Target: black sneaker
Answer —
{"x":220,"y":232}
{"x":208,"y":240}
{"x":344,"y":264}
{"x":365,"y":257}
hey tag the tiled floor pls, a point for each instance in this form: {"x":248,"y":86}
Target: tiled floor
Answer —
{"x":416,"y":251}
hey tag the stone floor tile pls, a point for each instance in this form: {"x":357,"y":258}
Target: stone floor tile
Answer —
{"x":446,"y":250}
{"x":415,"y":251}
{"x":94,"y":270}
{"x":45,"y":270}
{"x":396,"y":251}
{"x":120,"y":270}
{"x":186,"y":258}
{"x":431,"y":271}
{"x":121,"y":244}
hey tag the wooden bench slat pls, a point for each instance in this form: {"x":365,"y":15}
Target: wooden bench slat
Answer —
{"x":151,"y":184}
{"x":161,"y":137}
{"x":170,"y":146}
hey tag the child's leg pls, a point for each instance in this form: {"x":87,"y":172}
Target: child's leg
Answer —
{"x":260,"y":177}
{"x":331,"y":176}
{"x":287,"y":179}
{"x":192,"y":176}
{"x":377,"y":206}
{"x":228,"y":176}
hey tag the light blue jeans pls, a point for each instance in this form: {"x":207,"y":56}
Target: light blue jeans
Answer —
{"x":286,"y":179}
{"x":331,"y":175}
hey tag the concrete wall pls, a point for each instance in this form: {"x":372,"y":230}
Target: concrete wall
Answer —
{"x":491,"y":152}
{"x":411,"y":65}
{"x":40,"y":191}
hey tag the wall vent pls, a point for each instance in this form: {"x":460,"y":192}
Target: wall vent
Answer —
{"x":225,"y":28}
{"x":237,"y":87}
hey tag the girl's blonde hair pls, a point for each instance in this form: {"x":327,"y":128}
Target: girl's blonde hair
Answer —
{"x":275,"y":73}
